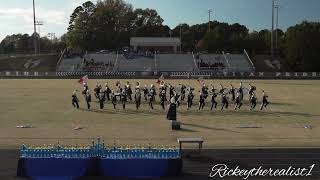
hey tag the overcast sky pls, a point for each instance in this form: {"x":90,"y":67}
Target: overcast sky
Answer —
{"x":16,"y":15}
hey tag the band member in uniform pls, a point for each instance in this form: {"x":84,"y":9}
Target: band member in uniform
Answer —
{"x":240,"y":91}
{"x":88,"y":99}
{"x":190,"y":98}
{"x":265,"y":101}
{"x":238,"y":102}
{"x":151,"y":98}
{"x":172,"y":112}
{"x":224,"y":100}
{"x":221,"y":91}
{"x":213,"y":100}
{"x":145,"y":92}
{"x":75,"y":100}
{"x":204,"y":91}
{"x":128,"y":91}
{"x":232,"y":92}
{"x":123,"y":99}
{"x":102,"y":98}
{"x":183,"y":92}
{"x":251,"y":90}
{"x":154,"y":92}
{"x":177,"y":97}
{"x":107,"y":91}
{"x":97,"y":90}
{"x":202,"y":101}
{"x":137,"y":98}
{"x":85,"y":88}
{"x":253,"y":100}
{"x":113,"y":100}
{"x":162,"y":98}
{"x":171,"y":91}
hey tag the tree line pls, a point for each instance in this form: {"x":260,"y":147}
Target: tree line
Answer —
{"x":109,"y":24}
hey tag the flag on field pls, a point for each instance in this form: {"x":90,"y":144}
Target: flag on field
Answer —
{"x":160,"y":80}
{"x":83,"y":80}
{"x":201,"y":81}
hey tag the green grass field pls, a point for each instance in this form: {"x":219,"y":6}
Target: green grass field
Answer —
{"x":46,"y":105}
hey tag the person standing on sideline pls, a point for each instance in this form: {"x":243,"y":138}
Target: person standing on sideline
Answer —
{"x":88,"y":99}
{"x":75,"y":100}
{"x":102,"y":98}
{"x":151,"y":98}
{"x":265,"y":101}
{"x":172,"y":112}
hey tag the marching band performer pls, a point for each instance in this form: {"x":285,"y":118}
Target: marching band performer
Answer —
{"x":75,"y":100}
{"x":265,"y":101}
{"x":238,"y":101}
{"x":202,"y":101}
{"x":137,"y":98}
{"x":213,"y":100}
{"x":224,"y":100}
{"x":253,"y":101}
{"x":232,"y":92}
{"x":190,"y":98}
{"x":88,"y":99}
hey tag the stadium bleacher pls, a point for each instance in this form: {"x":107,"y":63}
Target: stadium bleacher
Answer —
{"x":238,"y":63}
{"x":136,"y":63}
{"x":125,"y":62}
{"x":175,"y":62}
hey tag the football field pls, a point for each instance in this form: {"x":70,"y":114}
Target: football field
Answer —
{"x":46,"y":105}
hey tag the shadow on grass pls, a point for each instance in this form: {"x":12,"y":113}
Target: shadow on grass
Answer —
{"x":201,"y":113}
{"x":205,"y":127}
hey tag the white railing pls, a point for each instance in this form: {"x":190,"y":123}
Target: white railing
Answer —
{"x":195,"y":62}
{"x":227,"y":61}
{"x":249,"y":59}
{"x":60,"y":59}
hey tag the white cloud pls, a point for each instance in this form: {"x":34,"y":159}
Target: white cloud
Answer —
{"x":49,"y":16}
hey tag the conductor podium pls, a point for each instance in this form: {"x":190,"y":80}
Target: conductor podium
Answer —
{"x":175,"y":125}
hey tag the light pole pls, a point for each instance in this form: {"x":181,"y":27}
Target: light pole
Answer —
{"x":35,"y":29}
{"x":180,"y":38}
{"x":209,"y":12}
{"x":39,"y":23}
{"x":52,"y":36}
{"x":272,"y":30}
{"x":277,"y":24}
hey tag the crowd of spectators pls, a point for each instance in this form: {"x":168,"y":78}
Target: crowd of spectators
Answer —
{"x":210,"y":65}
{"x":136,"y":54}
{"x":91,"y":65}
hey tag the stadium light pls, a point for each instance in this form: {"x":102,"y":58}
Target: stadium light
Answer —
{"x":277,"y":6}
{"x":39,"y":23}
{"x":209,"y":12}
{"x":52,"y":36}
{"x":272,"y":30}
{"x":35,"y":29}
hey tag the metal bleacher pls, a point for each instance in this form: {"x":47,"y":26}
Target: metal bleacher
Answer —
{"x":175,"y":62}
{"x":136,"y":63}
{"x":238,"y":63}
